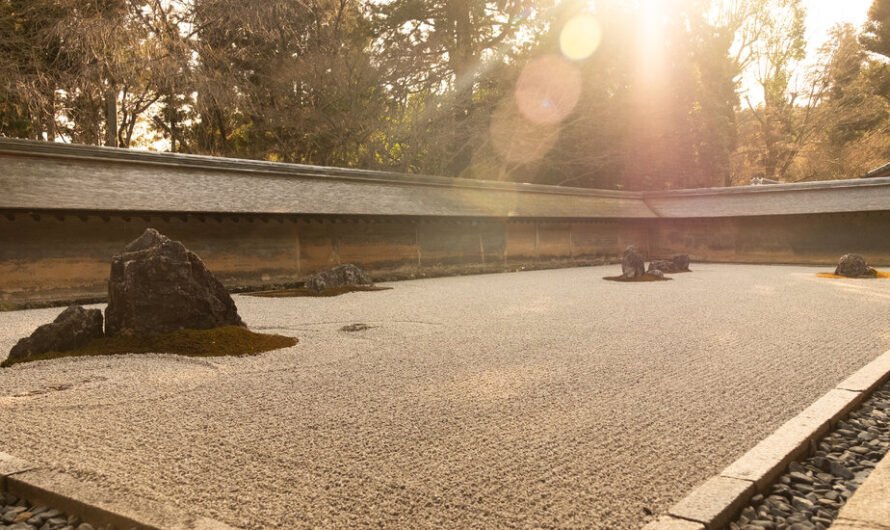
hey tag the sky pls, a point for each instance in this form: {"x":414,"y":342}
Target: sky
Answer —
{"x":821,"y":16}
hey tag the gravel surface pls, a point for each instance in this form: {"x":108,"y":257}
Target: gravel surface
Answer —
{"x":810,"y":494}
{"x":548,"y":398}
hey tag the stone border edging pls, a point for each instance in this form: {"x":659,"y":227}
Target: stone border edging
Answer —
{"x":90,"y":503}
{"x":714,"y":504}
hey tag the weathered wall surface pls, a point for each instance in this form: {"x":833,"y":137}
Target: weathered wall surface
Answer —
{"x":817,"y":239}
{"x":59,"y":257}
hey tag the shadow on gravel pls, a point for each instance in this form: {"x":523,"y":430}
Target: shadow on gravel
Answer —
{"x":644,"y":278}
{"x":303,"y":291}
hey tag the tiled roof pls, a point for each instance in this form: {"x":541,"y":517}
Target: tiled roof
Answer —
{"x":51,"y":176}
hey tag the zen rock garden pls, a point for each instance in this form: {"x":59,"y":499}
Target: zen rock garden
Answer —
{"x":161,"y":299}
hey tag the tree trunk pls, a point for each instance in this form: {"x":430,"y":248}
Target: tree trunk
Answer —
{"x":463,"y":64}
{"x":110,"y":117}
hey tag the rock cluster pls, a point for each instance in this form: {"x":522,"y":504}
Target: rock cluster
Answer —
{"x":158,"y":286}
{"x":341,"y":276}
{"x":810,"y":494}
{"x":632,"y":264}
{"x":18,"y":514}
{"x":73,"y":328}
{"x":854,"y":266}
{"x":677,"y":263}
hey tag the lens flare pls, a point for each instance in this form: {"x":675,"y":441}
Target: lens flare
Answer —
{"x":548,"y":89}
{"x":516,"y":139}
{"x":580,"y":37}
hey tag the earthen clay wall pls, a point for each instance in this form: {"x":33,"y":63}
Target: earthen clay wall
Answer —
{"x":59,"y":257}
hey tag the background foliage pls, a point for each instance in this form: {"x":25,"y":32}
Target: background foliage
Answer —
{"x":469,"y":88}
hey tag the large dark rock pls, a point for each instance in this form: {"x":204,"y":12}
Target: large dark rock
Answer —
{"x":73,"y":328}
{"x":854,"y":266}
{"x":632,"y":264}
{"x":158,"y":286}
{"x":340,"y":276}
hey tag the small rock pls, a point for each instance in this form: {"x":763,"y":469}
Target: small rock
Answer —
{"x":797,"y":476}
{"x":801,"y":503}
{"x":355,"y":327}
{"x":662,"y":265}
{"x":347,"y":275}
{"x":681,"y":262}
{"x":74,"y":327}
{"x":854,"y":266}
{"x":839,"y":470}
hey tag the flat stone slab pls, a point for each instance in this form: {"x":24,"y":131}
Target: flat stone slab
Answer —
{"x":715,"y":502}
{"x":767,"y":460}
{"x":10,"y":465}
{"x":101,"y":506}
{"x":869,"y":507}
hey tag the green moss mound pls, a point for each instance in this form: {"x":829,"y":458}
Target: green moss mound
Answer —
{"x":216,"y":342}
{"x":302,"y":291}
{"x":644,"y":278}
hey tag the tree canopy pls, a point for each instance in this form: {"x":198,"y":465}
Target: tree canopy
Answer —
{"x":620,"y":94}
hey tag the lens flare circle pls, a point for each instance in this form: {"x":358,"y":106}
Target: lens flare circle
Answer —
{"x":548,"y":89}
{"x":580,"y":37}
{"x":516,"y":139}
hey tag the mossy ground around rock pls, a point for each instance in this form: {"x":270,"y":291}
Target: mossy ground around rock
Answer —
{"x":216,"y":342}
{"x":644,"y":278}
{"x":831,"y":275}
{"x":303,"y":291}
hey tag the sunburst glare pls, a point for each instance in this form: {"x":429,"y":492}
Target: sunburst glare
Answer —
{"x":580,"y":37}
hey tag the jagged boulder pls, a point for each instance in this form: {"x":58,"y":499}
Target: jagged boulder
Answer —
{"x":158,"y":286}
{"x":73,"y":328}
{"x":341,"y":276}
{"x":854,"y":266}
{"x":632,"y":264}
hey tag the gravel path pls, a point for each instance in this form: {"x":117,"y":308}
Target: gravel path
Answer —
{"x":547,"y":398}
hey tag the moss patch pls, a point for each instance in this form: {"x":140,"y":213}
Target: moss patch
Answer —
{"x":302,"y":291}
{"x":644,"y":278}
{"x":217,"y":342}
{"x":831,"y":275}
